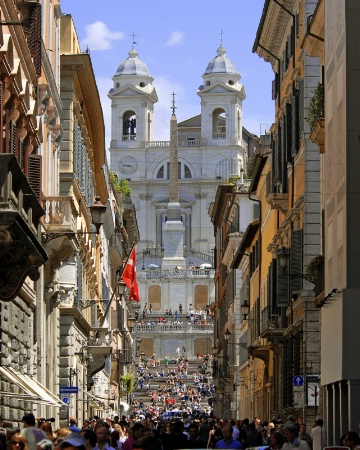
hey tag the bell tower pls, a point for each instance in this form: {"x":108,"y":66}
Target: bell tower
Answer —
{"x":132,"y":104}
{"x":221,"y":102}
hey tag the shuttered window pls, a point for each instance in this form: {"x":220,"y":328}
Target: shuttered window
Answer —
{"x":295,"y":124}
{"x":301,"y":107}
{"x":276,"y":162}
{"x":35,"y":174}
{"x":83,"y":172}
{"x":282,"y":287}
{"x":296,"y":261}
{"x":288,"y":132}
{"x":33,"y":36}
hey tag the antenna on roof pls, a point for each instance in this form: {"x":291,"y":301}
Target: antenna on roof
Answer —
{"x":173,"y":103}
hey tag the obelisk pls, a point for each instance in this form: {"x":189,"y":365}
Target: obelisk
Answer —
{"x":173,"y":228}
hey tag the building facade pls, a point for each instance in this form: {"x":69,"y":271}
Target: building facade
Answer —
{"x":64,"y":323}
{"x":334,"y":130}
{"x":279,"y":330}
{"x":211,"y":148}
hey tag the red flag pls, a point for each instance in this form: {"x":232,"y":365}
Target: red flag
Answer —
{"x":129,"y":276}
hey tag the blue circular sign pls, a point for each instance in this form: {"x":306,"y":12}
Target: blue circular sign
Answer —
{"x":298,"y":380}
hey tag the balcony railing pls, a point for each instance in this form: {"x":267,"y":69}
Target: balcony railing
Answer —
{"x":219,"y":136}
{"x":60,"y":211}
{"x":129,"y":137}
{"x":189,"y":143}
{"x":183,"y":327}
{"x":188,"y":273}
{"x":183,"y":143}
{"x":158,"y":144}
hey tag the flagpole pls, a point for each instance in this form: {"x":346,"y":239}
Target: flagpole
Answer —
{"x":119,"y":273}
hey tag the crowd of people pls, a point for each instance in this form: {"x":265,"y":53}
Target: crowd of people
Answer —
{"x":176,"y":388}
{"x":151,"y":433}
{"x":170,"y":317}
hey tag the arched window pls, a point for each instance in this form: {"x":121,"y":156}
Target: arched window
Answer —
{"x":183,"y":171}
{"x":219,"y":124}
{"x":129,"y":126}
{"x":160,"y":173}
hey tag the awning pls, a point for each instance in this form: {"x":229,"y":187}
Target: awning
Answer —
{"x":97,"y":401}
{"x":33,"y":390}
{"x":125,"y":407}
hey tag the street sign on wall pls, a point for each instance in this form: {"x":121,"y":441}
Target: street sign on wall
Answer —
{"x":299,"y":399}
{"x":298,"y":380}
{"x":69,"y":389}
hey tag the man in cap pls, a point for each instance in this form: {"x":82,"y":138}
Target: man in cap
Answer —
{"x":73,"y":442}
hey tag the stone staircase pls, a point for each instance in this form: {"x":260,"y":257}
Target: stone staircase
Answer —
{"x":155,"y":383}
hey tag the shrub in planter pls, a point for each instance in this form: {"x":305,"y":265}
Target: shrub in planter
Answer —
{"x":315,"y":109}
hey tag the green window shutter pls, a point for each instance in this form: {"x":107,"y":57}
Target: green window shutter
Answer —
{"x":296,"y":260}
{"x":295,"y":130}
{"x":282,"y":287}
{"x":288,"y":132}
{"x":277,"y":161}
{"x":301,"y":110}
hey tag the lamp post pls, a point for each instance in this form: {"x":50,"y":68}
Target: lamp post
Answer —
{"x":283,"y":256}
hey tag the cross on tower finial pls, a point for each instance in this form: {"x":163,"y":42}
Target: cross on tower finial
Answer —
{"x":173,"y":103}
{"x":221,"y":36}
{"x":133,"y":36}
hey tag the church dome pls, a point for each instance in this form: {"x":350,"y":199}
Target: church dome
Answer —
{"x":220,"y":64}
{"x":133,"y":65}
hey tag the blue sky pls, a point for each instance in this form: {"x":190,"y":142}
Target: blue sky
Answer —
{"x":176,"y":40}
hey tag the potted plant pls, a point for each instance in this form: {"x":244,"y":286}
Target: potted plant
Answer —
{"x":315,"y":273}
{"x":121,"y":186}
{"x":315,"y":117}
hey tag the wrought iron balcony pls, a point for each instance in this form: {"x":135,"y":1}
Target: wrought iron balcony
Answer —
{"x":21,"y":253}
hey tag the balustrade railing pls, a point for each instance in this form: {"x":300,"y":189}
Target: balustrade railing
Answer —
{"x":219,"y":135}
{"x":59,"y":211}
{"x":188,"y":273}
{"x":164,"y":327}
{"x":129,"y":137}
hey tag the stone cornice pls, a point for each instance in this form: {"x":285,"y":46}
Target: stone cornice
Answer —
{"x":273,"y":26}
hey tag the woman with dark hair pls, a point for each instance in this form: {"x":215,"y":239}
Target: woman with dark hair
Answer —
{"x":18,"y":442}
{"x":277,"y":440}
{"x":215,"y":435}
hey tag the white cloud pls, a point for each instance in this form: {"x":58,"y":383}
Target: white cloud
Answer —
{"x":176,"y":38}
{"x":99,"y":37}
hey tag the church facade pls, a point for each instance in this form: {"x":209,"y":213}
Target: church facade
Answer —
{"x":212,"y":148}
